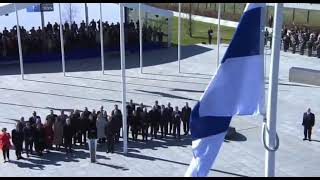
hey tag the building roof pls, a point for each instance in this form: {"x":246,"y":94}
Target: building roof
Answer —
{"x":7,"y":8}
{"x":149,"y":9}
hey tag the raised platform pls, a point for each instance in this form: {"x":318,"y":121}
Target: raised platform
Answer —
{"x":304,"y":76}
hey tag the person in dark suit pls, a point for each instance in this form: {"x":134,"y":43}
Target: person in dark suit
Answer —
{"x":48,"y":131}
{"x":116,"y":114}
{"x":17,"y":139}
{"x":156,"y":105}
{"x":51,"y":118}
{"x":28,"y":133}
{"x":162,"y":121}
{"x":210,"y":34}
{"x":74,"y":122}
{"x":308,"y":123}
{"x":84,"y":119}
{"x":39,"y":139}
{"x":92,"y":131}
{"x":166,"y":118}
{"x":130,"y":111}
{"x":77,"y":127}
{"x":170,"y":117}
{"x":63,"y":117}
{"x":110,"y":130}
{"x":68,"y":132}
{"x":176,"y":122}
{"x":185,"y":113}
{"x":135,"y":128}
{"x":144,"y":124}
{"x":155,"y":119}
{"x":33,"y":119}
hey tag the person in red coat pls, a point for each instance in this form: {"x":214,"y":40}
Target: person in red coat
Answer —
{"x":48,"y":133}
{"x":5,"y":144}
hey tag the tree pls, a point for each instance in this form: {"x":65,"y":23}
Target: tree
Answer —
{"x":70,"y":12}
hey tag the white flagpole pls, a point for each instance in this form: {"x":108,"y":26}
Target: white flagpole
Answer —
{"x":86,"y":14}
{"x":273,"y":92}
{"x":19,"y":43}
{"x":123,"y":77}
{"x":62,"y":43}
{"x":179,"y":36}
{"x":101,"y":40}
{"x":262,"y":51}
{"x":140,"y":39}
{"x":218,"y":34}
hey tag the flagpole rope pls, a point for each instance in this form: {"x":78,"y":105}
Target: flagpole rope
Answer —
{"x":265,"y":129}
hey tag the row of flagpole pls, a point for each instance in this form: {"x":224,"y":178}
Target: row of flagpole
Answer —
{"x":273,"y":85}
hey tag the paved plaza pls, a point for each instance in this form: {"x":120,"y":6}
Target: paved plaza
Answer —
{"x":46,"y":88}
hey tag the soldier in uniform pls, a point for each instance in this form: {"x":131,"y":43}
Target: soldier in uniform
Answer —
{"x":210,"y":34}
{"x":177,"y":122}
{"x":302,"y":41}
{"x":266,"y":36}
{"x":186,"y":111}
{"x":131,"y":24}
{"x":294,"y":41}
{"x":286,"y":42}
{"x":318,"y":46}
{"x":310,"y":44}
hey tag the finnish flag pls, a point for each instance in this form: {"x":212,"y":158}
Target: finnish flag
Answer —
{"x":236,"y":89}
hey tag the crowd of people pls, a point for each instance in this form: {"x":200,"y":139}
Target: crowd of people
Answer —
{"x":47,"y":39}
{"x":298,"y":39}
{"x":69,"y":130}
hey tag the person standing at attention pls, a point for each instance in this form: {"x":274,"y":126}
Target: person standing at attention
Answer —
{"x":5,"y":144}
{"x":210,"y":35}
{"x":308,"y":123}
{"x":17,"y":139}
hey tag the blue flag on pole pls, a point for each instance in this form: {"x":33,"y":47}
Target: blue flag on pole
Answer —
{"x":236,"y":89}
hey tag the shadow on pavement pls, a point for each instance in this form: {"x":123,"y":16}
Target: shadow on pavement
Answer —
{"x":167,"y":95}
{"x":151,"y":58}
{"x":150,"y":158}
{"x":237,"y":137}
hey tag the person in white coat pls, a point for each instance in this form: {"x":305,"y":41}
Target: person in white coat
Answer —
{"x":101,"y":123}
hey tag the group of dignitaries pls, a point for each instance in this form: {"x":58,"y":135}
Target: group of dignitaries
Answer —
{"x":298,"y":39}
{"x":68,"y":130}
